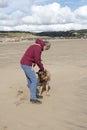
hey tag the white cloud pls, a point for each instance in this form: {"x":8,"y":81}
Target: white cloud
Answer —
{"x":49,"y":14}
{"x":3,"y":3}
{"x":51,"y":17}
{"x":11,"y":20}
{"x":17,"y":15}
{"x":3,"y":16}
{"x":81,"y":15}
{"x":6,"y":3}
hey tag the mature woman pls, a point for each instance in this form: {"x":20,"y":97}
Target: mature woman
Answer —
{"x":32,"y":57}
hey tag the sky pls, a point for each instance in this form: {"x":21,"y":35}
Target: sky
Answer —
{"x":43,"y":15}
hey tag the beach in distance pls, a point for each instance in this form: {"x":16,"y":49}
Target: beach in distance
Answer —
{"x":65,"y":108}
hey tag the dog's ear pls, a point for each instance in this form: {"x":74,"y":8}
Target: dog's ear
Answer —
{"x":41,"y":71}
{"x":45,"y":71}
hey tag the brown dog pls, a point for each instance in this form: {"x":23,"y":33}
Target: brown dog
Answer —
{"x":43,"y":84}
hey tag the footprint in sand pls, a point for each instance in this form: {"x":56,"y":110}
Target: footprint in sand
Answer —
{"x":19,"y":92}
{"x":3,"y":128}
{"x":22,"y":97}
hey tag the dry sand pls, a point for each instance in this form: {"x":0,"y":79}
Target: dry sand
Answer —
{"x":65,"y":109}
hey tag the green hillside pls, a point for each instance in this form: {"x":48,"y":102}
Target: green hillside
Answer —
{"x":59,"y":34}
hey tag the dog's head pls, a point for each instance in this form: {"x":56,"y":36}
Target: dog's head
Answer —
{"x":43,"y":75}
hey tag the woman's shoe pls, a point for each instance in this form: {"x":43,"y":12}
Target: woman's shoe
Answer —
{"x":39,"y":96}
{"x":35,"y":101}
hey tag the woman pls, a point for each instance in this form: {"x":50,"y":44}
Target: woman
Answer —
{"x":32,"y":57}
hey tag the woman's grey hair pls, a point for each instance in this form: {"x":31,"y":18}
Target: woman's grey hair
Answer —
{"x":48,"y":45}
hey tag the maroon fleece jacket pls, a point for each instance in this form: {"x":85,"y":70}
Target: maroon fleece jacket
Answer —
{"x":33,"y":54}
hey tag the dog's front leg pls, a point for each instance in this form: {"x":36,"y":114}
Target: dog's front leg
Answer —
{"x":40,"y":90}
{"x":47,"y":90}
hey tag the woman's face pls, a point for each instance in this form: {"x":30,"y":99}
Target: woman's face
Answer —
{"x":45,"y":48}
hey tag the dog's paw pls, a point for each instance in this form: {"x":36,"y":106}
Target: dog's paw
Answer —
{"x":47,"y":94}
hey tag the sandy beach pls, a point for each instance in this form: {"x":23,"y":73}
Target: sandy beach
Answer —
{"x":65,"y":108}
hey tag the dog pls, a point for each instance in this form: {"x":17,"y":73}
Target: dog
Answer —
{"x":43,"y":82}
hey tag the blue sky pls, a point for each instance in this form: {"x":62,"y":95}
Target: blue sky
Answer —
{"x":43,"y":15}
{"x":73,"y":4}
